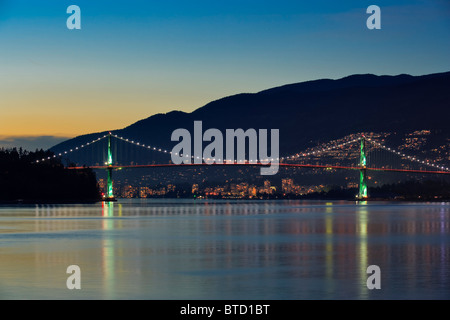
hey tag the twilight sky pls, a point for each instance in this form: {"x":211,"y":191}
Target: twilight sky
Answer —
{"x":132,"y":59}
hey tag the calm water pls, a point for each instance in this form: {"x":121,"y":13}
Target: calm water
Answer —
{"x":181,"y":249}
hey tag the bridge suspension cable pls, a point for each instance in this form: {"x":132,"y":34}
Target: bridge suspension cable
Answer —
{"x":320,"y":150}
{"x":413,"y":159}
{"x":294,"y":156}
{"x":60,"y":154}
{"x":162,"y":150}
{"x":316,"y":152}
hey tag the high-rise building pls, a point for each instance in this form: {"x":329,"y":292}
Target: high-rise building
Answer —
{"x":144,"y":192}
{"x":129,"y":191}
{"x":252,"y":191}
{"x":102,"y":185}
{"x":287,"y":185}
{"x":267,"y":186}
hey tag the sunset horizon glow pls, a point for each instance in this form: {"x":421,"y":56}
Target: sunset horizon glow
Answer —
{"x":134,"y":59}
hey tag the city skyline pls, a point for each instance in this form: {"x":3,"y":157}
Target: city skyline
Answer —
{"x":132,"y":60}
{"x":247,"y":184}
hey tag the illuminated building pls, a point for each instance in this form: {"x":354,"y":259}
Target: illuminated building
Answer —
{"x":287,"y":186}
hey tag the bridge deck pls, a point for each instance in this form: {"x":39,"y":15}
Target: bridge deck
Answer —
{"x":292,"y":165}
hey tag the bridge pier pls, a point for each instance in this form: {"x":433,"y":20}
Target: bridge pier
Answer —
{"x":109,"y":183}
{"x":362,"y":194}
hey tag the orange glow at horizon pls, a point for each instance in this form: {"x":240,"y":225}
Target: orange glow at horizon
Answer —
{"x":68,"y":117}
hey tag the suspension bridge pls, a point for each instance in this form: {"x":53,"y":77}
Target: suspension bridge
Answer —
{"x":365,"y":151}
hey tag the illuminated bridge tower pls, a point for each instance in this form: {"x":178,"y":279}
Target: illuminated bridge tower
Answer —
{"x":109,"y":184}
{"x":362,"y":172}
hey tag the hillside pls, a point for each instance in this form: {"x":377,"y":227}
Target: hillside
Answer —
{"x":311,"y":112}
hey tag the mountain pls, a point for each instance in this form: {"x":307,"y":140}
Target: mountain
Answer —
{"x":310,"y":112}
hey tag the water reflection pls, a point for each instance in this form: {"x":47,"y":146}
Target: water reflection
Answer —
{"x":361,"y":230}
{"x":141,"y":208}
{"x":108,"y":250}
{"x":329,"y":252}
{"x":228,"y":250}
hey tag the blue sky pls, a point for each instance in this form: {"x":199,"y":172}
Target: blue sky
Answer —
{"x":132,"y":59}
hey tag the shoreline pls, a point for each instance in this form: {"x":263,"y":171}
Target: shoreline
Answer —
{"x":28,"y":202}
{"x":47,"y":202}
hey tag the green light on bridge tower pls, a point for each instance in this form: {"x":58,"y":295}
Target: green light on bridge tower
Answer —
{"x":109,"y":185}
{"x":363,"y":172}
{"x":110,"y":161}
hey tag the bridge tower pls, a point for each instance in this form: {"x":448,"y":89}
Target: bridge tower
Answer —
{"x":362,"y":172}
{"x":109,"y":184}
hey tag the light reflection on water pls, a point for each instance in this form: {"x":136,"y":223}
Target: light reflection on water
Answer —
{"x":183,"y":249}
